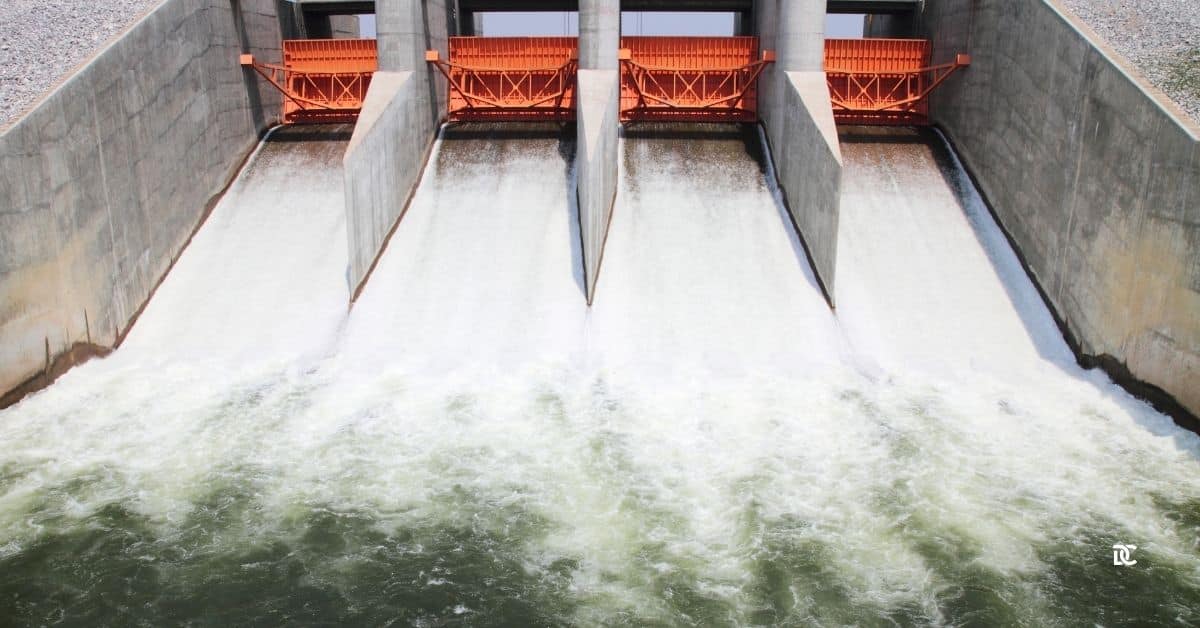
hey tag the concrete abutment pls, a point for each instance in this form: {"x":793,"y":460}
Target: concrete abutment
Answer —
{"x":103,"y":183}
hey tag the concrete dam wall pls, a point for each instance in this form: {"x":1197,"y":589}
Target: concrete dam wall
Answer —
{"x":103,"y":183}
{"x":1094,"y":175}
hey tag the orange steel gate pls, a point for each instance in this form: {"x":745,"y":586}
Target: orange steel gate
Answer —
{"x":883,"y":81}
{"x":699,"y":79}
{"x":510,"y":78}
{"x":694,"y":79}
{"x":322,"y":80}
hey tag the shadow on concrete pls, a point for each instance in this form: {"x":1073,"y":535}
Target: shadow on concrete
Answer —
{"x":506,"y":131}
{"x":795,"y":236}
{"x":567,"y":147}
{"x":311,"y":133}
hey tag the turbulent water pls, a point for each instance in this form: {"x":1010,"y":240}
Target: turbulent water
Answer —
{"x":708,"y":445}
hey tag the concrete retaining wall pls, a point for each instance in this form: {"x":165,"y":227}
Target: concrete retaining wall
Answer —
{"x":1094,"y":175}
{"x":103,"y":183}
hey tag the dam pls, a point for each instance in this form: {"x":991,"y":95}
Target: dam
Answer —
{"x":600,"y":354}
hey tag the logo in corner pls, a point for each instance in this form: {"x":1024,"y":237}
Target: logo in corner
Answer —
{"x":1122,"y":554}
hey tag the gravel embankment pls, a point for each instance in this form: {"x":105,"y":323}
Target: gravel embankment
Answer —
{"x":42,"y":41}
{"x":1160,"y":37}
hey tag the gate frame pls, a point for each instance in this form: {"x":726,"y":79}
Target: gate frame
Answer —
{"x":725,"y":93}
{"x":322,"y":80}
{"x":517,"y":85}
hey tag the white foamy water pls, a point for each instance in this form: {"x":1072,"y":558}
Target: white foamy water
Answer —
{"x":708,"y":444}
{"x":483,"y":271}
{"x":264,"y":280}
{"x":703,"y":273}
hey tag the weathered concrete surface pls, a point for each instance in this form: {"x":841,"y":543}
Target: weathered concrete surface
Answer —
{"x":795,"y":30}
{"x":382,"y":166}
{"x":598,"y":95}
{"x":798,"y":120}
{"x":808,"y":166}
{"x":295,"y":23}
{"x":405,"y":29}
{"x":598,"y":98}
{"x":800,"y":38}
{"x":397,"y":126}
{"x":1095,"y":177}
{"x":103,"y":183}
{"x":599,"y":34}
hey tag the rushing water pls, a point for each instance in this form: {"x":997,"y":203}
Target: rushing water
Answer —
{"x":707,"y":445}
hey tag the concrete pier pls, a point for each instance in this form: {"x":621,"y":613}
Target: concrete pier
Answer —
{"x":381,"y":167}
{"x":103,"y":183}
{"x":599,"y":92}
{"x":798,"y":119}
{"x":398,"y":125}
{"x":1093,"y":174}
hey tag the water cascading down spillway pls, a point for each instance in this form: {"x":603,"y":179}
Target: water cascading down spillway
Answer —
{"x":707,"y":444}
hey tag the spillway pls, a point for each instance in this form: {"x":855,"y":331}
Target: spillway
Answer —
{"x":708,"y":445}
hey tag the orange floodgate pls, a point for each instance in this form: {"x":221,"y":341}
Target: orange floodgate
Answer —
{"x":510,"y":78}
{"x":691,"y":79}
{"x":322,"y":80}
{"x":883,"y":81}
